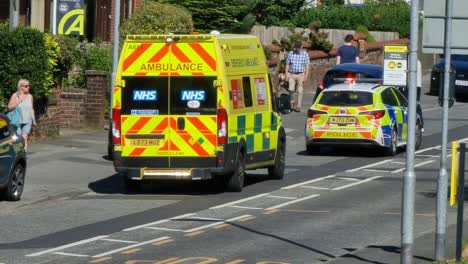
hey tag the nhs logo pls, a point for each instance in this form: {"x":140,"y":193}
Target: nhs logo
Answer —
{"x":192,"y":95}
{"x":145,"y":95}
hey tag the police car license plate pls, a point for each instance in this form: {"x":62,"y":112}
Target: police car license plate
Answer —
{"x":461,"y":83}
{"x":147,"y":142}
{"x":342,"y":120}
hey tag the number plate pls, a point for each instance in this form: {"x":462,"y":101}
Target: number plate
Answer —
{"x":461,"y":83}
{"x":147,"y":142}
{"x":342,"y":120}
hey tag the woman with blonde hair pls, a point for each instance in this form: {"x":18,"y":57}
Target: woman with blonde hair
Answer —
{"x":24,"y":101}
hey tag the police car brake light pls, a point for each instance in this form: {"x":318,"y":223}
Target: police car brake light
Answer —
{"x":312,"y":112}
{"x":378,"y":114}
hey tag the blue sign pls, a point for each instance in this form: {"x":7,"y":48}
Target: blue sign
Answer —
{"x":145,"y":95}
{"x":192,"y":95}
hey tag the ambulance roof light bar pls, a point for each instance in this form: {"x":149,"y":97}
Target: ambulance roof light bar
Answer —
{"x":166,"y":36}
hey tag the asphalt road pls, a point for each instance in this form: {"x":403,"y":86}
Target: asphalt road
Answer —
{"x":76,"y":210}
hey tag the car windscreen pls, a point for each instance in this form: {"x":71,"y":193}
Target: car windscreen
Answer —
{"x":193,"y":95}
{"x":460,"y":57}
{"x":346,"y":98}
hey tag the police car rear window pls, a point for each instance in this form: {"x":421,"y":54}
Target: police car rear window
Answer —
{"x":346,"y":98}
{"x":193,"y":96}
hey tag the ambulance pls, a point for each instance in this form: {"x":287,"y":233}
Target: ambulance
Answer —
{"x":194,"y":107}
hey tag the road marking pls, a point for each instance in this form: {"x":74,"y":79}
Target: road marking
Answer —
{"x":81,"y":242}
{"x":399,"y":170}
{"x":131,"y":251}
{"x":374,"y":170}
{"x":164,"y":229}
{"x":347,"y":179}
{"x":70,"y":254}
{"x":370,"y":165}
{"x":163,"y":242}
{"x":240,"y":201}
{"x":313,"y":187}
{"x":269,"y":212}
{"x":356,"y":183}
{"x":291,"y":202}
{"x":99,"y":260}
{"x":166,"y":261}
{"x":282,"y":197}
{"x":302,"y":211}
{"x":423,"y":163}
{"x":221,"y":226}
{"x":247,"y":219}
{"x":196,"y":233}
{"x":119,"y":241}
{"x":129,"y":247}
{"x":157,"y":222}
{"x":426,"y":149}
{"x":215,"y":224}
{"x":237,"y":261}
{"x":200,"y":218}
{"x":398,"y":162}
{"x":428,"y":156}
{"x":307,"y":182}
{"x":245,"y":207}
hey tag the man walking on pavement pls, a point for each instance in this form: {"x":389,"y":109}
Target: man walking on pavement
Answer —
{"x":297,"y":73}
{"x":347,"y":53}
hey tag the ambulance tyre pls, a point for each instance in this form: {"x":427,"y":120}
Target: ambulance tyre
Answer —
{"x":235,"y":181}
{"x":131,"y":185}
{"x":277,"y":171}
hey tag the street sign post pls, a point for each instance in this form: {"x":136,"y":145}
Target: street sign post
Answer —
{"x":395,"y":65}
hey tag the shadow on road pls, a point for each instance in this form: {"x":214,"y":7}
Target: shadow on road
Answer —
{"x":345,"y":151}
{"x":114,"y":184}
{"x":375,"y":251}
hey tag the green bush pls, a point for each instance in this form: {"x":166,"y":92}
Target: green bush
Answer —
{"x":364,"y":30}
{"x":157,"y":18}
{"x":30,"y":54}
{"x":394,"y":18}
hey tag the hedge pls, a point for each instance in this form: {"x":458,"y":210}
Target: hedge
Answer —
{"x":30,"y":54}
{"x":393,"y":18}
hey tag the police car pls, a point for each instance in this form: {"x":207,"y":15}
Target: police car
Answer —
{"x":360,"y":114}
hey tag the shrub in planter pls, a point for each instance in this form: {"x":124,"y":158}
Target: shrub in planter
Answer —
{"x":365,"y":31}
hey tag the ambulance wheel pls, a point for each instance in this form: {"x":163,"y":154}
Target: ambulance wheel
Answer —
{"x":418,"y":135}
{"x":235,"y":182}
{"x":393,"y":148}
{"x":132,"y":185}
{"x":277,"y":171}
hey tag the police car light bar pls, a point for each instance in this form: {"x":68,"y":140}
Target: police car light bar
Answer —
{"x":359,"y":80}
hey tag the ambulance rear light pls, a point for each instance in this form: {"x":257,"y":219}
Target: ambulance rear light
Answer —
{"x":115,"y":126}
{"x":312,"y":112}
{"x":222,"y":126}
{"x":376,"y":113}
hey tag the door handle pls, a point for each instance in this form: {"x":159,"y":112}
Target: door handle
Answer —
{"x":180,"y":123}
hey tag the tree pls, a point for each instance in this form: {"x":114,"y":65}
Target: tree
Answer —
{"x":221,"y":15}
{"x":277,"y":12}
{"x":331,"y":2}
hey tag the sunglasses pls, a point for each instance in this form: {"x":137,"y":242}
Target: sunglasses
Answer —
{"x":26,"y":85}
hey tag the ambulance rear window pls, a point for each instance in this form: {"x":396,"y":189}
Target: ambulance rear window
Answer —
{"x":193,"y":95}
{"x":145,"y":96}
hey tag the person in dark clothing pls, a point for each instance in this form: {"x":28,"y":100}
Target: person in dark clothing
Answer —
{"x":347,"y":53}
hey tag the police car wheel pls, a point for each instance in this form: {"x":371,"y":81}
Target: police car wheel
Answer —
{"x":15,"y":185}
{"x":393,"y":148}
{"x":235,"y":182}
{"x":418,"y":136}
{"x":277,"y":171}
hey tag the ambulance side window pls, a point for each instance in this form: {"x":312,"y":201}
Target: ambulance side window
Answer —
{"x":247,"y":90}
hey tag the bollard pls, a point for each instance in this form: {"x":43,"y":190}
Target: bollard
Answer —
{"x":460,"y":199}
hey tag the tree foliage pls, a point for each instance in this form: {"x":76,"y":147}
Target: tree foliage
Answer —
{"x":276,"y":12}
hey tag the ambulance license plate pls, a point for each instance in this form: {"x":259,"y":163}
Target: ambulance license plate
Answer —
{"x":461,"y":83}
{"x":147,"y":142}
{"x":342,"y":120}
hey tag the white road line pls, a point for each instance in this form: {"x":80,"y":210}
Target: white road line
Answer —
{"x":426,"y":149}
{"x":399,"y":170}
{"x":374,"y":170}
{"x":119,"y":241}
{"x":423,"y":163}
{"x":81,"y":242}
{"x":246,"y":207}
{"x":163,"y":229}
{"x":291,"y":202}
{"x":428,"y":156}
{"x":157,"y":222}
{"x":398,"y":162}
{"x":370,"y":165}
{"x":313,"y":187}
{"x":282,"y":197}
{"x":129,"y":247}
{"x":356,"y":183}
{"x":240,"y":201}
{"x":70,"y":254}
{"x":307,"y":182}
{"x":183,"y":216}
{"x":200,"y":218}
{"x":347,"y":179}
{"x":215,"y":224}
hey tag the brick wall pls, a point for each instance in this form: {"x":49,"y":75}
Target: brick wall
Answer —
{"x":72,"y":107}
{"x":47,"y":118}
{"x":95,"y":100}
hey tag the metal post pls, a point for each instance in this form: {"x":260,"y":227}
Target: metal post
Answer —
{"x":54,"y":17}
{"x":115,"y":54}
{"x":409,"y":180}
{"x":442,"y":182}
{"x":460,"y":199}
{"x":14,"y":14}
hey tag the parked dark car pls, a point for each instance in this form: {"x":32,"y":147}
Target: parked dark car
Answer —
{"x":360,"y":72}
{"x":460,"y":63}
{"x":12,"y":161}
